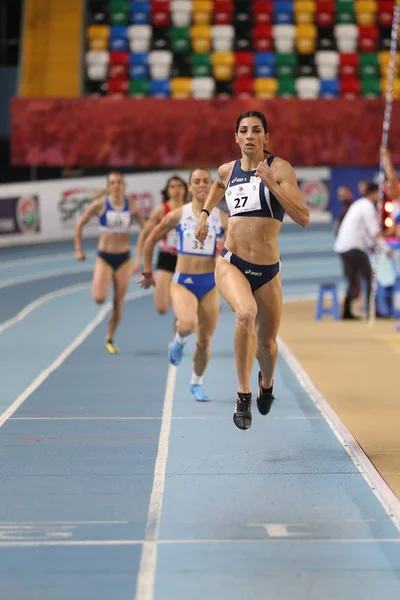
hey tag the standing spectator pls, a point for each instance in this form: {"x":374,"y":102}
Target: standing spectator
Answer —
{"x":345,"y":197}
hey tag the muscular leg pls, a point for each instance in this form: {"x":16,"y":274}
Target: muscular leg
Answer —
{"x":162,"y":294}
{"x":235,"y":289}
{"x":102,"y":278}
{"x":208,"y":313}
{"x":269,"y":305}
{"x":121,"y":284}
{"x":185,"y":308}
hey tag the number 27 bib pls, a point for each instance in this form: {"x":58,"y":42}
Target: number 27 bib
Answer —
{"x":243,"y":198}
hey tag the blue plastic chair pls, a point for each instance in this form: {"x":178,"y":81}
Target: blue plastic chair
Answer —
{"x":139,"y":65}
{"x":327,"y":289}
{"x":140,"y":13}
{"x":284,"y":14}
{"x":119,"y":38}
{"x":160,"y":88}
{"x":265,"y":64}
{"x":329,"y":88}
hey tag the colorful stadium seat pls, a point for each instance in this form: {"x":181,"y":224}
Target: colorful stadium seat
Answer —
{"x":241,"y":48}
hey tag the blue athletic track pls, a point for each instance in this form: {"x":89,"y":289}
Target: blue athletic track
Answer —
{"x":115,"y":484}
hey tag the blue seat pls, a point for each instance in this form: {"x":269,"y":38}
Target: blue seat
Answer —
{"x":327,"y":289}
{"x":119,"y":38}
{"x":160,"y":88}
{"x":329,"y":88}
{"x":140,"y":12}
{"x":284,"y":14}
{"x":139,"y":65}
{"x":265,"y":64}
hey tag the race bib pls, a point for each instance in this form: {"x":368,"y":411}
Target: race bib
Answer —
{"x":193,"y":246}
{"x":244,"y":197}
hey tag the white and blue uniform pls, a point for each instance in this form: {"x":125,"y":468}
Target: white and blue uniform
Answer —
{"x":187,"y":244}
{"x":247,"y":196}
{"x":115,"y":220}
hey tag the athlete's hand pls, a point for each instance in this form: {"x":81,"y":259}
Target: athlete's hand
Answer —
{"x":201,"y":231}
{"x":136,"y":267}
{"x":266,"y":174}
{"x":146,"y":282}
{"x":79,"y":255}
{"x":220,"y":243}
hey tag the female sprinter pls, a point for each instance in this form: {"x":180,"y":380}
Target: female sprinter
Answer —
{"x":113,"y":262}
{"x":174,"y":196}
{"x":195,"y":298}
{"x":258,"y":192}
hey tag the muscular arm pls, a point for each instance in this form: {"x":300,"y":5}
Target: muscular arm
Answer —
{"x":148,"y":226}
{"x":135,"y":212}
{"x":168,"y":223}
{"x":217,"y":190}
{"x":94,"y":209}
{"x":281,"y":180}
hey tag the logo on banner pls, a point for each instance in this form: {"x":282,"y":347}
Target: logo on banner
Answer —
{"x":19,"y":215}
{"x":73,"y":204}
{"x":316,"y":194}
{"x":144,"y":201}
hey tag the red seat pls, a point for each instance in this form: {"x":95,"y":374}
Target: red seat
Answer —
{"x":118,"y":71}
{"x":348,"y":65}
{"x":350,"y":88}
{"x":118,"y":86}
{"x":385,"y":13}
{"x":119,"y":58}
{"x":263,"y":12}
{"x":368,"y":38}
{"x":160,"y":13}
{"x":243,"y":88}
{"x":223,"y":12}
{"x":325,"y":15}
{"x":263,"y":40}
{"x":244,"y":65}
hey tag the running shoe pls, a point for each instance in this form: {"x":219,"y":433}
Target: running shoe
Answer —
{"x":198,"y":392}
{"x":111,"y":347}
{"x":175,"y":352}
{"x":242,"y":415}
{"x":265,"y":397}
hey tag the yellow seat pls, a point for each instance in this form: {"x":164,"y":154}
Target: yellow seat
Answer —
{"x":181,"y":87}
{"x":223,"y":63}
{"x":384,"y":58}
{"x":304,"y":11}
{"x":202,"y":12}
{"x":365,"y":12}
{"x":98,"y":36}
{"x":201,"y":38}
{"x":265,"y":88}
{"x":396,"y":88}
{"x":306,"y":35}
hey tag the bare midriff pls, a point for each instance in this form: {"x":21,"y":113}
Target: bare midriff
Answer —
{"x":113,"y":243}
{"x":196,"y":265}
{"x":254,"y":239}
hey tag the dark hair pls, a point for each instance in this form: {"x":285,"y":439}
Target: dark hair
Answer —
{"x":198,"y":169}
{"x":114,"y":173}
{"x":164,"y":191}
{"x":371,"y":187}
{"x":252,"y":113}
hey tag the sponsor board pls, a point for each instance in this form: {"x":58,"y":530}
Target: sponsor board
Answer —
{"x":19,"y":215}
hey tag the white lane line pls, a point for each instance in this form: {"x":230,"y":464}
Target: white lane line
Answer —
{"x":114,"y":418}
{"x":43,"y":259}
{"x":63,"y":356}
{"x":148,"y":559}
{"x":4,"y":524}
{"x":71,"y":289}
{"x":281,"y":540}
{"x":44,"y":275}
{"x":382,"y":491}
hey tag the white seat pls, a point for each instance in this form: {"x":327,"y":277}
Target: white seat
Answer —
{"x":327,"y":62}
{"x":100,"y":57}
{"x":181,"y":13}
{"x":139,"y":38}
{"x":307,"y":87}
{"x":97,"y":72}
{"x":203,"y":87}
{"x":284,"y":37}
{"x":160,"y":62}
{"x":222,"y":36}
{"x":346,"y":37}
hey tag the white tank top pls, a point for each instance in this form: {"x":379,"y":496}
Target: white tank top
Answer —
{"x":186,"y":241}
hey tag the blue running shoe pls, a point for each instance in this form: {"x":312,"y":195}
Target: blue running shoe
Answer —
{"x":175,"y":352}
{"x":199,"y":393}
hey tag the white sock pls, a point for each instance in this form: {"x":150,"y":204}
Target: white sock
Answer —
{"x":196,"y":379}
{"x":182,"y":339}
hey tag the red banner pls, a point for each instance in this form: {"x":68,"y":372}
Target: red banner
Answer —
{"x":187,"y":133}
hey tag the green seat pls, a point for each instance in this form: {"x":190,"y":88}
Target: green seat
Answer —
{"x":139,"y":88}
{"x":369,"y":65}
{"x":201,"y":65}
{"x":345,"y":12}
{"x":286,"y":64}
{"x":287,"y":87}
{"x":180,"y":40}
{"x":370,"y":88}
{"x":119,"y":12}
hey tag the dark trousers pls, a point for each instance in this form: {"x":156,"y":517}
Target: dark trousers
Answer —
{"x":356,"y":265}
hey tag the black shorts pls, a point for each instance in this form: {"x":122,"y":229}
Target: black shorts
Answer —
{"x":114,"y":260}
{"x":256,"y":275}
{"x":166,"y":262}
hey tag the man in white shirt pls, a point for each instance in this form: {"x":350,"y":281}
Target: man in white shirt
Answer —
{"x":359,"y":232}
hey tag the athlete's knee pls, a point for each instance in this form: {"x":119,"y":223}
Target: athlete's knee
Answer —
{"x":203,"y":344}
{"x":99,"y":298}
{"x":246,"y":317}
{"x":162,"y":306}
{"x":268,"y":345}
{"x":187,"y":325}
